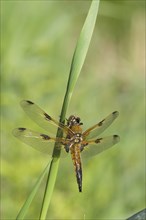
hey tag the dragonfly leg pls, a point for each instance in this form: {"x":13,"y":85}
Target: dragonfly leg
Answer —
{"x":66,"y":147}
{"x":84,"y":144}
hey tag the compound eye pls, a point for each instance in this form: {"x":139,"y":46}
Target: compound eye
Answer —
{"x":78,"y":120}
{"x":70,"y":120}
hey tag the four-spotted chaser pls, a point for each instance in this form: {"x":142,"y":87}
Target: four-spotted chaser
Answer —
{"x":74,"y":140}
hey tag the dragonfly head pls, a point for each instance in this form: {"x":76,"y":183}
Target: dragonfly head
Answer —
{"x":72,"y":120}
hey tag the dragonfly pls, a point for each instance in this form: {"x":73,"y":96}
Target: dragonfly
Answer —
{"x":75,"y":141}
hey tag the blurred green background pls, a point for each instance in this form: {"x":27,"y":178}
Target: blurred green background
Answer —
{"x":38,"y":41}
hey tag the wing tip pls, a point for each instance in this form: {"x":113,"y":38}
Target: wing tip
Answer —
{"x":115,"y":114}
{"x":26,"y":102}
{"x":116,"y":138}
{"x":16,"y":131}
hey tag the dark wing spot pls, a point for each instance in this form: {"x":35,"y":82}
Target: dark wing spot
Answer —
{"x":21,"y":129}
{"x":45,"y":137}
{"x":115,"y":136}
{"x":115,"y":113}
{"x":29,"y":102}
{"x":98,"y":140}
{"x":47,"y":117}
{"x":101,"y":122}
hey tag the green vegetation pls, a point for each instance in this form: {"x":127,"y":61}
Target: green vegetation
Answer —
{"x":38,"y":40}
{"x":75,"y":69}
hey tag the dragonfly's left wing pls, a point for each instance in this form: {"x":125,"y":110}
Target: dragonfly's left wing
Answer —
{"x":42,"y":118}
{"x":99,"y":145}
{"x":98,"y":128}
{"x":40,"y":142}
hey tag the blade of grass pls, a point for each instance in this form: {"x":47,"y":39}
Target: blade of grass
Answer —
{"x":80,"y":53}
{"x":76,"y":66}
{"x":27,"y":203}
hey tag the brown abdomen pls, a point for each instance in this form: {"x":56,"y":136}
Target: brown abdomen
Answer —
{"x":75,"y":154}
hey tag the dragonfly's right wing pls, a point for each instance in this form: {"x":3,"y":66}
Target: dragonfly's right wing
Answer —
{"x":98,"y":128}
{"x":99,"y":145}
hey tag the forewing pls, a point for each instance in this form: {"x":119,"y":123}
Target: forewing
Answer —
{"x":38,"y":141}
{"x":99,"y":145}
{"x":97,"y":129}
{"x":41,"y":118}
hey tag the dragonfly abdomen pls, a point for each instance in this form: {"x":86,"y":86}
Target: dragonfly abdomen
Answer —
{"x":75,"y":154}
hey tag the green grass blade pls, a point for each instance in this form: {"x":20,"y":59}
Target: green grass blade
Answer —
{"x":80,"y":53}
{"x":76,"y":66}
{"x":27,"y":203}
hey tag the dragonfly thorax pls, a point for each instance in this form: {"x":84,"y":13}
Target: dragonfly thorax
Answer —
{"x":77,"y":138}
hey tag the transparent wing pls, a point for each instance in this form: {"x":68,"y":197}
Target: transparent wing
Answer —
{"x":40,"y":142}
{"x":43,"y":119}
{"x":99,"y":145}
{"x":97,"y":129}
